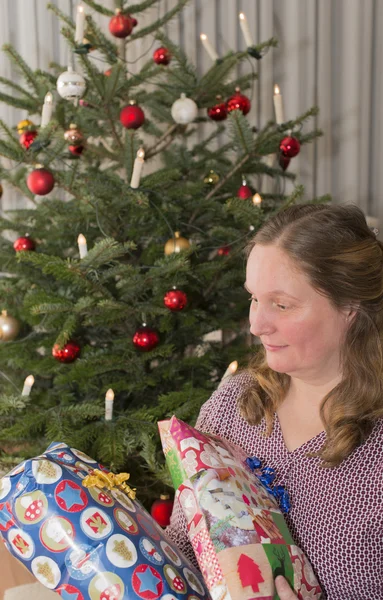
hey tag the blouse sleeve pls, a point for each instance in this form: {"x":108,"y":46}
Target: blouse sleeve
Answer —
{"x":213,"y":418}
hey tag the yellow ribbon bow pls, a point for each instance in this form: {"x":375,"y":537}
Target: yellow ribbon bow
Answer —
{"x":101,"y":479}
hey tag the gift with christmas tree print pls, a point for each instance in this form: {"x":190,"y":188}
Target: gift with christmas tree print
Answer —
{"x":235,"y":524}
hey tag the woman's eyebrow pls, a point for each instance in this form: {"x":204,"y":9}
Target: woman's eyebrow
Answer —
{"x":276,"y":292}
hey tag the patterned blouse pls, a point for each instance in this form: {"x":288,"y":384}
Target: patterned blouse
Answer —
{"x":336,"y":514}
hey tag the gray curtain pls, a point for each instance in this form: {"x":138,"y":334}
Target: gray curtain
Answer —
{"x":330,"y":54}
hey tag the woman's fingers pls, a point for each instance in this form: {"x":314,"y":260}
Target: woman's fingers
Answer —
{"x":284,"y":590}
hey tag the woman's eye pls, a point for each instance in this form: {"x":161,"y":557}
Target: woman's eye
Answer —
{"x":282,"y":307}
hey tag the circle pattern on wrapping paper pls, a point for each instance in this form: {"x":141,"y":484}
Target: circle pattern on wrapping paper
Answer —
{"x":147,"y":582}
{"x":150,"y":551}
{"x":69,"y":592}
{"x":125,"y":521}
{"x":170,"y":553}
{"x":5,"y":487}
{"x":57,"y":534}
{"x":82,"y":562}
{"x":174,"y":579}
{"x":168,"y":597}
{"x":45,"y":471}
{"x":6,"y":516}
{"x":70,"y":496}
{"x":124,"y":500}
{"x":63,"y":457}
{"x":148,"y":526}
{"x":21,"y":543}
{"x":106,"y":586}
{"x":193,"y":581}
{"x":103,"y":498}
{"x":82,"y":456}
{"x":120,"y":551}
{"x":46,"y":571}
{"x":31,"y":508}
{"x":76,"y":471}
{"x":84,"y":467}
{"x":95,"y":523}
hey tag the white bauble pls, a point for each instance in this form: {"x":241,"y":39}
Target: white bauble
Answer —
{"x":184,"y":110}
{"x":71,"y":85}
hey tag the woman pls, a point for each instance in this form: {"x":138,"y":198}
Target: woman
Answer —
{"x":310,"y":404}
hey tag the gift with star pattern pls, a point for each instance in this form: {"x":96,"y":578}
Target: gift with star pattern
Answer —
{"x":82,"y":533}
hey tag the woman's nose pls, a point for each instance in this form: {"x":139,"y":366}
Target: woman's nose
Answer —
{"x":260,"y":324}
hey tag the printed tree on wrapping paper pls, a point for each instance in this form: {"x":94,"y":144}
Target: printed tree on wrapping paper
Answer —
{"x":249,"y":573}
{"x":99,"y":299}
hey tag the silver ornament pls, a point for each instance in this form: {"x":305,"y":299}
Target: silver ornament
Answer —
{"x":71,"y":85}
{"x":184,"y":110}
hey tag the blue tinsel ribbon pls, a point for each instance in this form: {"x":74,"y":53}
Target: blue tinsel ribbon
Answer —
{"x":266,"y":476}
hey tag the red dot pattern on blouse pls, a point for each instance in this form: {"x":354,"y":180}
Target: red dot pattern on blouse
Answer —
{"x":336,"y":516}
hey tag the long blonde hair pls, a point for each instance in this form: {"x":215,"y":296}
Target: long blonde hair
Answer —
{"x":336,"y":250}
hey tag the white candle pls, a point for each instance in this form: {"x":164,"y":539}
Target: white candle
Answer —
{"x":208,"y":47}
{"x":82,"y":246}
{"x":137,"y":169}
{"x":47,"y":109}
{"x":231,"y":369}
{"x":80,"y":21}
{"x":245,"y":30}
{"x":278,"y":106}
{"x":109,"y":399}
{"x":270,"y":159}
{"x":30,"y":380}
{"x":257,"y":199}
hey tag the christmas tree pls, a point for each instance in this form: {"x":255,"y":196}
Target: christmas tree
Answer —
{"x":122,"y":288}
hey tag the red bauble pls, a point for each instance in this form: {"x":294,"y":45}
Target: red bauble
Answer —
{"x":239,"y":102}
{"x":67,"y":353}
{"x":132,"y":116}
{"x":289,"y":146}
{"x":161,"y":510}
{"x":24,"y":244}
{"x":145,"y":338}
{"x":27,"y":137}
{"x":284,"y":161}
{"x":223,"y":251}
{"x":40,"y":182}
{"x":108,"y":72}
{"x":121,"y":25}
{"x":175,"y":300}
{"x":162,"y":56}
{"x":76,"y":150}
{"x":218,"y":112}
{"x":244,"y":192}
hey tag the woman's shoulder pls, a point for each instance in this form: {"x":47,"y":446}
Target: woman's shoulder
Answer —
{"x":222,"y":407}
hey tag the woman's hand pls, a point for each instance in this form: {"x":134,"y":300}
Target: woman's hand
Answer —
{"x":284,"y":590}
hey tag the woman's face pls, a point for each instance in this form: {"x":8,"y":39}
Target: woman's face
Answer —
{"x":299,"y":328}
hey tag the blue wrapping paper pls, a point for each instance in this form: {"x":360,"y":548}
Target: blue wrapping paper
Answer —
{"x":88,"y":543}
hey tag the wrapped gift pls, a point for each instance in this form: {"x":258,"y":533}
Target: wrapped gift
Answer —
{"x":235,"y":524}
{"x":82,"y":533}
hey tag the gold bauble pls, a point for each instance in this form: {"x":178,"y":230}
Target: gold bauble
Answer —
{"x":24,"y":125}
{"x":73,"y":136}
{"x":9,"y":327}
{"x":176,"y":244}
{"x":212,"y":178}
